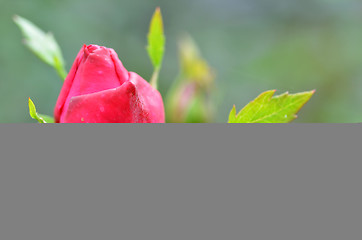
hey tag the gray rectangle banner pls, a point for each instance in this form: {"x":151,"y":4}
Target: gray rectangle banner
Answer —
{"x":180,"y":181}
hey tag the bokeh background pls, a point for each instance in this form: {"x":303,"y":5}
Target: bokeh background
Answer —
{"x":253,"y":45}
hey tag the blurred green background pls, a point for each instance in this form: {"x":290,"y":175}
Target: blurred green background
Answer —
{"x":253,"y":45}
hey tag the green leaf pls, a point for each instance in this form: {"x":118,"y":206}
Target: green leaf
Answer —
{"x":268,"y":109}
{"x":156,"y":39}
{"x":232,"y":115}
{"x":156,"y":44}
{"x":47,"y":119}
{"x":40,"y":117}
{"x":42,"y":45}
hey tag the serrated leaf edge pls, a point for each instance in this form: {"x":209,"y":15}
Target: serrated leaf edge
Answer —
{"x":294,"y":103}
{"x":270,"y":94}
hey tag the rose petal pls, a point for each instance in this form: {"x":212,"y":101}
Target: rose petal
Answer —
{"x":151,"y":98}
{"x":121,"y":104}
{"x":67,"y":85}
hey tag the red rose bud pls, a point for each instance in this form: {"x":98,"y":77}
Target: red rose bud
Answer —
{"x":98,"y":89}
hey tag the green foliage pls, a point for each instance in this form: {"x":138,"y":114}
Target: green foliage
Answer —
{"x":197,"y":111}
{"x":40,"y":117}
{"x":156,"y":39}
{"x":268,"y":109}
{"x":42,"y":45}
{"x":156,"y":44}
{"x":46,"y":118}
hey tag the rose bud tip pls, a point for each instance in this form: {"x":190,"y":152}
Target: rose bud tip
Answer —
{"x":99,"y":89}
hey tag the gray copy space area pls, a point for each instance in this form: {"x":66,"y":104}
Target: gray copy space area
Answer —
{"x":213,"y":181}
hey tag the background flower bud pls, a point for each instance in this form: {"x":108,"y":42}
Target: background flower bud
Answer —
{"x":99,"y":89}
{"x":190,"y":97}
